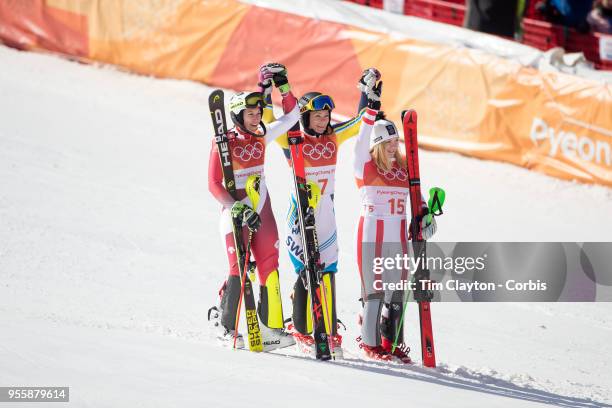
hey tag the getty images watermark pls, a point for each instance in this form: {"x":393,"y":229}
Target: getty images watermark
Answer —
{"x":459,"y":265}
{"x":495,"y":272}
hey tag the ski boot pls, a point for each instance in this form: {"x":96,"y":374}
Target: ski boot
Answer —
{"x":376,"y":353}
{"x":400,"y":353}
{"x":223,"y":334}
{"x":270,"y":314}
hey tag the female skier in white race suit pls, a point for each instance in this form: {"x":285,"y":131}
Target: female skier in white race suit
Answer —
{"x":381,"y":176}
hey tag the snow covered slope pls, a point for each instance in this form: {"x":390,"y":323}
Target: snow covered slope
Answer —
{"x":110,"y":257}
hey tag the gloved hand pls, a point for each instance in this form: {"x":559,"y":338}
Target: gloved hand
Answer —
{"x":265,"y":81}
{"x":279,"y":76}
{"x":246,"y":215}
{"x":272,"y":68}
{"x":368,"y":79}
{"x":374,"y":96}
{"x":267,"y":72}
{"x":428,"y":230}
{"x":367,"y":85}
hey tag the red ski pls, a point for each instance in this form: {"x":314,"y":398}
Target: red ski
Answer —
{"x":418,"y":209}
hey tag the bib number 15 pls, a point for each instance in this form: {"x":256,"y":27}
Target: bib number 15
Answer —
{"x":397,"y":205}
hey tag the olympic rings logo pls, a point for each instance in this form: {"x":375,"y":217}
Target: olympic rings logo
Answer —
{"x":319,"y":150}
{"x":248,"y":152}
{"x":395,"y":173}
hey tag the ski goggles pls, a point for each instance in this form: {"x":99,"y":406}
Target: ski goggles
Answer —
{"x":319,"y":102}
{"x":254,"y":100}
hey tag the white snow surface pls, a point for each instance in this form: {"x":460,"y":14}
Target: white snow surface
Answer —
{"x":110,"y":257}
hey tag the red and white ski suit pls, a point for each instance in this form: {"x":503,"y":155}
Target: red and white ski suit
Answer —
{"x":382,"y":228}
{"x":248,"y":158}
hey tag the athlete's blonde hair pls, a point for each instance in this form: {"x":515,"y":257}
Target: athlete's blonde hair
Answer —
{"x":380,"y":157}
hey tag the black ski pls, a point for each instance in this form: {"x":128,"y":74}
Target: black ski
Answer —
{"x":310,"y":244}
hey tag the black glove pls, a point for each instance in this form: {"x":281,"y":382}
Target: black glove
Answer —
{"x":251,"y":219}
{"x":282,"y":82}
{"x":374,"y":96}
{"x":246,"y":215}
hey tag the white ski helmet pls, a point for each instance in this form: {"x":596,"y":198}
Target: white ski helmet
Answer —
{"x":242,"y":100}
{"x":384,"y":130}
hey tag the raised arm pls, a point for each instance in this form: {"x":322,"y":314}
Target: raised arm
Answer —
{"x":362,"y":146}
{"x":276,"y":74}
{"x":285,"y":122}
{"x":371,"y":93}
{"x":350,"y":128}
{"x":265,"y":87}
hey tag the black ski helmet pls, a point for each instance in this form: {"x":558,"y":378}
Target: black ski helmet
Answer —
{"x":313,"y":101}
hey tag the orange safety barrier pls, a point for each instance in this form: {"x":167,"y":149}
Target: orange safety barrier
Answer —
{"x":468,"y":101}
{"x":32,"y":24}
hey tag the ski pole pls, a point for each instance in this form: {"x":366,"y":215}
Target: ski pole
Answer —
{"x":400,"y":327}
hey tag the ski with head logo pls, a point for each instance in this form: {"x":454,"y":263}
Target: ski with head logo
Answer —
{"x":306,"y":199}
{"x":217,"y":112}
{"x":418,"y":209}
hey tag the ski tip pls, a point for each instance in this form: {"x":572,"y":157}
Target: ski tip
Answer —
{"x":409,"y":116}
{"x":216,"y":96}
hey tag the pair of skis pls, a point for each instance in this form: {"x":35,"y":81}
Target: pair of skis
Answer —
{"x":422,"y":294}
{"x":313,"y":269}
